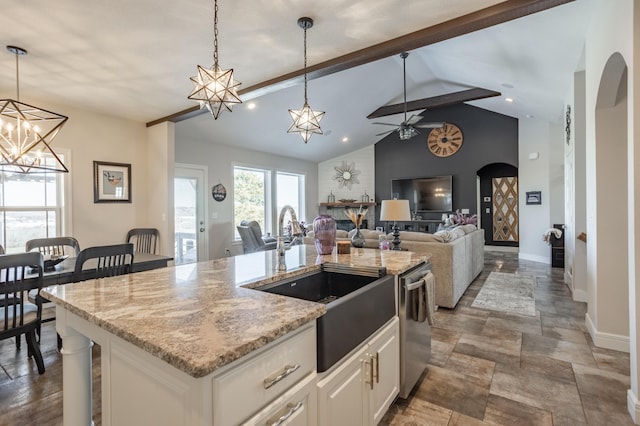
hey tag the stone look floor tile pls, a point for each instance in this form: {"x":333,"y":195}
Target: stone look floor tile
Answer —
{"x":558,"y":349}
{"x":490,"y":348}
{"x":612,"y":360}
{"x":503,"y":411}
{"x":523,"y":324}
{"x":559,"y":397}
{"x":476,"y":367}
{"x":564,"y":334}
{"x":454,"y":390}
{"x":545,"y":366}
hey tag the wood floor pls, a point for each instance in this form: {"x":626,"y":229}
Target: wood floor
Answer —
{"x":487,"y":367}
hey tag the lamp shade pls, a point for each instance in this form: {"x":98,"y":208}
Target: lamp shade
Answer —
{"x":395,"y":210}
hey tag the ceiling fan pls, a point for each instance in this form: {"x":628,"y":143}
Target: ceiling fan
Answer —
{"x":409,"y":127}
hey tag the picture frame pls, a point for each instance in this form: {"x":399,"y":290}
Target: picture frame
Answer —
{"x":111,"y":182}
{"x":534,"y":197}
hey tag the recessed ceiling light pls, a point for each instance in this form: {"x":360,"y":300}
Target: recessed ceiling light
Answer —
{"x":508,"y":100}
{"x":251,"y":105}
{"x":345,"y":139}
{"x":507,"y":85}
{"x":530,"y":116}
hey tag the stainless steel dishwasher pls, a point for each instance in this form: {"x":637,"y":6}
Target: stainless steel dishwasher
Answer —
{"x":415,"y":336}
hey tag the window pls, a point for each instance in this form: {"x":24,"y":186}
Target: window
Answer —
{"x":250,"y":195}
{"x":31,"y":206}
{"x":290,"y":191}
{"x":253,"y":198}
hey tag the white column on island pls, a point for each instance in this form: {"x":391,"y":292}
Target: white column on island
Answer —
{"x":76,"y":374}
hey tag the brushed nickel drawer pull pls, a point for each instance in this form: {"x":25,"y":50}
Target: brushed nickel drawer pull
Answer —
{"x":377,"y":367}
{"x":292,"y":409}
{"x":288,"y":369}
{"x":370,"y":362}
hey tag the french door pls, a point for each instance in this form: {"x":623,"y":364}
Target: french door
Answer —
{"x":190,"y":227}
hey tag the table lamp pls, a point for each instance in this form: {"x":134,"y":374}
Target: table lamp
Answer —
{"x":395,"y":210}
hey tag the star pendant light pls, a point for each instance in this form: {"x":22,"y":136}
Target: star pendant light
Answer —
{"x":305,"y":121}
{"x":215,"y":88}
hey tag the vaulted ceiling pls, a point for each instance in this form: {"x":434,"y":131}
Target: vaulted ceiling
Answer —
{"x":134,"y":58}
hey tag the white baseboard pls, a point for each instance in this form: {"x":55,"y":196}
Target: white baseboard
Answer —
{"x":579,"y":295}
{"x":606,"y":340}
{"x":535,"y":258}
{"x":633,"y":407}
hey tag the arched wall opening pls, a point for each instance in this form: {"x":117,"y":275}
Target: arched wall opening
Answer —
{"x":607,"y":251}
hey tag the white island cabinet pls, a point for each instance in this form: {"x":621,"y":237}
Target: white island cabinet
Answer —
{"x":362,"y":388}
{"x":196,"y":345}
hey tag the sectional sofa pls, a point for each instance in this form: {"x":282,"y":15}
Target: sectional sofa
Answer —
{"x":457,"y":256}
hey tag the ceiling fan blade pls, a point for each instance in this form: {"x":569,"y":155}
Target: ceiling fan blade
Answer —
{"x":386,"y":124}
{"x":435,"y":101}
{"x":413,"y":119}
{"x":429,"y":125}
{"x":386,"y":133}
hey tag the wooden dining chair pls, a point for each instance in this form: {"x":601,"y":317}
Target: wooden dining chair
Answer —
{"x":144,"y":240}
{"x":109,"y":261}
{"x":54,"y":246}
{"x":18,"y":315}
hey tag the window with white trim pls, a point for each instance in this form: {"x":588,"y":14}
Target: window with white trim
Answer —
{"x":259,"y":194}
{"x":31,"y":206}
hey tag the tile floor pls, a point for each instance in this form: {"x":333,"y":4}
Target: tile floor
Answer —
{"x":494,"y":368}
{"x":487,"y":367}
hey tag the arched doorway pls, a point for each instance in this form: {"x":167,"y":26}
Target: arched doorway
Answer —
{"x":607,"y":238}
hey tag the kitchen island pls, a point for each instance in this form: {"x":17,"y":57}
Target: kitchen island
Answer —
{"x":174,"y":330}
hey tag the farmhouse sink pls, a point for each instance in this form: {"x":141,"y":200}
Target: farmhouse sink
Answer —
{"x":357,"y":306}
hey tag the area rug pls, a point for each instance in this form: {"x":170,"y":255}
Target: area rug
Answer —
{"x":506,"y":292}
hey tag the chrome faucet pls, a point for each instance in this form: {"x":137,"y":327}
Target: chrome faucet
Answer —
{"x":296,"y":230}
{"x":280,"y":252}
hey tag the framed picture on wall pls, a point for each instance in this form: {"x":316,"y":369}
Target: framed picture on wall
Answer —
{"x":534,"y":197}
{"x":111,"y":182}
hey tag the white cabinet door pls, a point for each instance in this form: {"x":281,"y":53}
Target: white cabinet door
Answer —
{"x":341,"y":398}
{"x":385,"y":349}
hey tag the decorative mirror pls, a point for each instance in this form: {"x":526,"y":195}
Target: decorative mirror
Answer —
{"x":346,"y":175}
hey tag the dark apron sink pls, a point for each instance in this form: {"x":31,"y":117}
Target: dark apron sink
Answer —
{"x":357,"y":306}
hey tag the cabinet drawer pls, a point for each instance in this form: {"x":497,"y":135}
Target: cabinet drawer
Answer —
{"x":247,"y":387}
{"x":295,"y":407}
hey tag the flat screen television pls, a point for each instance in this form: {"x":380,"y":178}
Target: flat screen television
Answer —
{"x":429,"y":194}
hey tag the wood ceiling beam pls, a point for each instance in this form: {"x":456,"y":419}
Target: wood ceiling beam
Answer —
{"x":481,"y":19}
{"x":436,"y":101}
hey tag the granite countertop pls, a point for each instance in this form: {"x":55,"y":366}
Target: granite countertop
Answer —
{"x":202,"y":316}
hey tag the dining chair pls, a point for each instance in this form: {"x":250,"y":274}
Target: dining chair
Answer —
{"x":19,"y":316}
{"x":54,"y":246}
{"x":109,"y":261}
{"x":144,"y":240}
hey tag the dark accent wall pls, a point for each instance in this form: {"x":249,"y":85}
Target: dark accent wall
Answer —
{"x":489,"y":138}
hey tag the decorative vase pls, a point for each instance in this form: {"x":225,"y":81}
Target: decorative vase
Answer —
{"x":357,"y":240}
{"x":324,"y":233}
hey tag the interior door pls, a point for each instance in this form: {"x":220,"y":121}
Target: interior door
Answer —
{"x":505,"y":209}
{"x":190,"y":214}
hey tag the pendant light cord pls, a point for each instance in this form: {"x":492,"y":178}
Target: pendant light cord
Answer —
{"x":17,"y":79}
{"x":305,"y":66}
{"x":215,"y":34}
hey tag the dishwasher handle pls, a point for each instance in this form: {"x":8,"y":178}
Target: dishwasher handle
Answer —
{"x":414,"y":285}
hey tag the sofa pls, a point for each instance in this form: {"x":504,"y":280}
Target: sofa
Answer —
{"x":457,"y":256}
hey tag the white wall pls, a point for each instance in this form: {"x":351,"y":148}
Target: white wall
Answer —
{"x":91,"y":136}
{"x":220,"y":160}
{"x":364,"y":161}
{"x":534,"y":175}
{"x":614,"y":29}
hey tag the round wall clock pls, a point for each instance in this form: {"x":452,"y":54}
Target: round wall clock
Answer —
{"x":445,"y":141}
{"x":219,"y":192}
